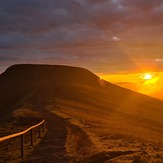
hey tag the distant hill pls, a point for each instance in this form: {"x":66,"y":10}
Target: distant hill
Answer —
{"x":25,"y":83}
{"x":135,"y":87}
{"x":41,"y":84}
{"x":128,"y":85}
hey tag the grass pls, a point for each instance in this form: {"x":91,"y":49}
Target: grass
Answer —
{"x":121,"y":130}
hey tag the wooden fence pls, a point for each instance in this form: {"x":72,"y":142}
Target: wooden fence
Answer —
{"x":21,"y":134}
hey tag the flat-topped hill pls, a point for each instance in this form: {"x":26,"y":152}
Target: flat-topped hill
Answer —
{"x":25,"y":82}
{"x":40,"y":84}
{"x":108,"y":117}
{"x":56,"y":74}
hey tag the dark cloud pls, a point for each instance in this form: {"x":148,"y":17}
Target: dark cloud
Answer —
{"x":98,"y":1}
{"x":7,"y":58}
{"x":36,"y":16}
{"x":144,"y":5}
{"x":41,"y":17}
{"x":91,"y":33}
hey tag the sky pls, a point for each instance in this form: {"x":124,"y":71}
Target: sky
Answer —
{"x":104,"y":36}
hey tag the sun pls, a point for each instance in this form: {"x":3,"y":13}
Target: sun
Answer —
{"x":148,"y":83}
{"x":146,"y":76}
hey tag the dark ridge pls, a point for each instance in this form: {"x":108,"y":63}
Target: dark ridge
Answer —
{"x":41,"y":84}
{"x":36,"y":83}
{"x":50,"y":73}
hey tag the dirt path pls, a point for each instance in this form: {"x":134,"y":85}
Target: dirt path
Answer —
{"x":52,"y":148}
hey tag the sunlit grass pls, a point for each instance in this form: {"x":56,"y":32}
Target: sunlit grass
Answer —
{"x":115,"y":130}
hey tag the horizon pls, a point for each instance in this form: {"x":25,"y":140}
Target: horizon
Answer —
{"x":134,"y":81}
{"x":116,"y":39}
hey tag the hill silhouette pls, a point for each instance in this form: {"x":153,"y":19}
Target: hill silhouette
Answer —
{"x":101,"y":115}
{"x":25,"y":83}
{"x":34,"y":83}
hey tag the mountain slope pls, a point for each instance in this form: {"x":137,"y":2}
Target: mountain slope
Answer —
{"x":23,"y":83}
{"x":41,"y":84}
{"x":112,"y":118}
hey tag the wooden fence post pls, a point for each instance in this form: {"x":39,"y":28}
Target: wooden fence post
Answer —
{"x":39,"y":130}
{"x":31,"y":137}
{"x":22,"y":145}
{"x":43,"y":127}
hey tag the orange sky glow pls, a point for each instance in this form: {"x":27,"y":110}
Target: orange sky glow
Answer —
{"x":140,"y":82}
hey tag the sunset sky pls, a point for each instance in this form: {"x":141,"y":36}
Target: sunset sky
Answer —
{"x":116,"y":39}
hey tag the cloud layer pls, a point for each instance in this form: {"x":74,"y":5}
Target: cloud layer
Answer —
{"x":102,"y":35}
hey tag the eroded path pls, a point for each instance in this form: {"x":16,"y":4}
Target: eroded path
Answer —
{"x":52,"y":148}
{"x":81,"y":149}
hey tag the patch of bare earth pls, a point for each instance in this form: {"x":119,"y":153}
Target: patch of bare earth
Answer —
{"x":81,"y":148}
{"x":52,"y":147}
{"x":79,"y":145}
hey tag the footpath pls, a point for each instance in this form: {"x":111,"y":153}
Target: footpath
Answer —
{"x":52,"y":148}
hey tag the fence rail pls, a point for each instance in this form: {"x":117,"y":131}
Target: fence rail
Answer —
{"x":24,"y":132}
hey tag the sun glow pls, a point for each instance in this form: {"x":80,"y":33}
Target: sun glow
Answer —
{"x":149,"y":83}
{"x":147,"y":76}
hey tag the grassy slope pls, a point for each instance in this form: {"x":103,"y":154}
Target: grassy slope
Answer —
{"x":113,"y":118}
{"x":116,"y":121}
{"x":37,"y":84}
